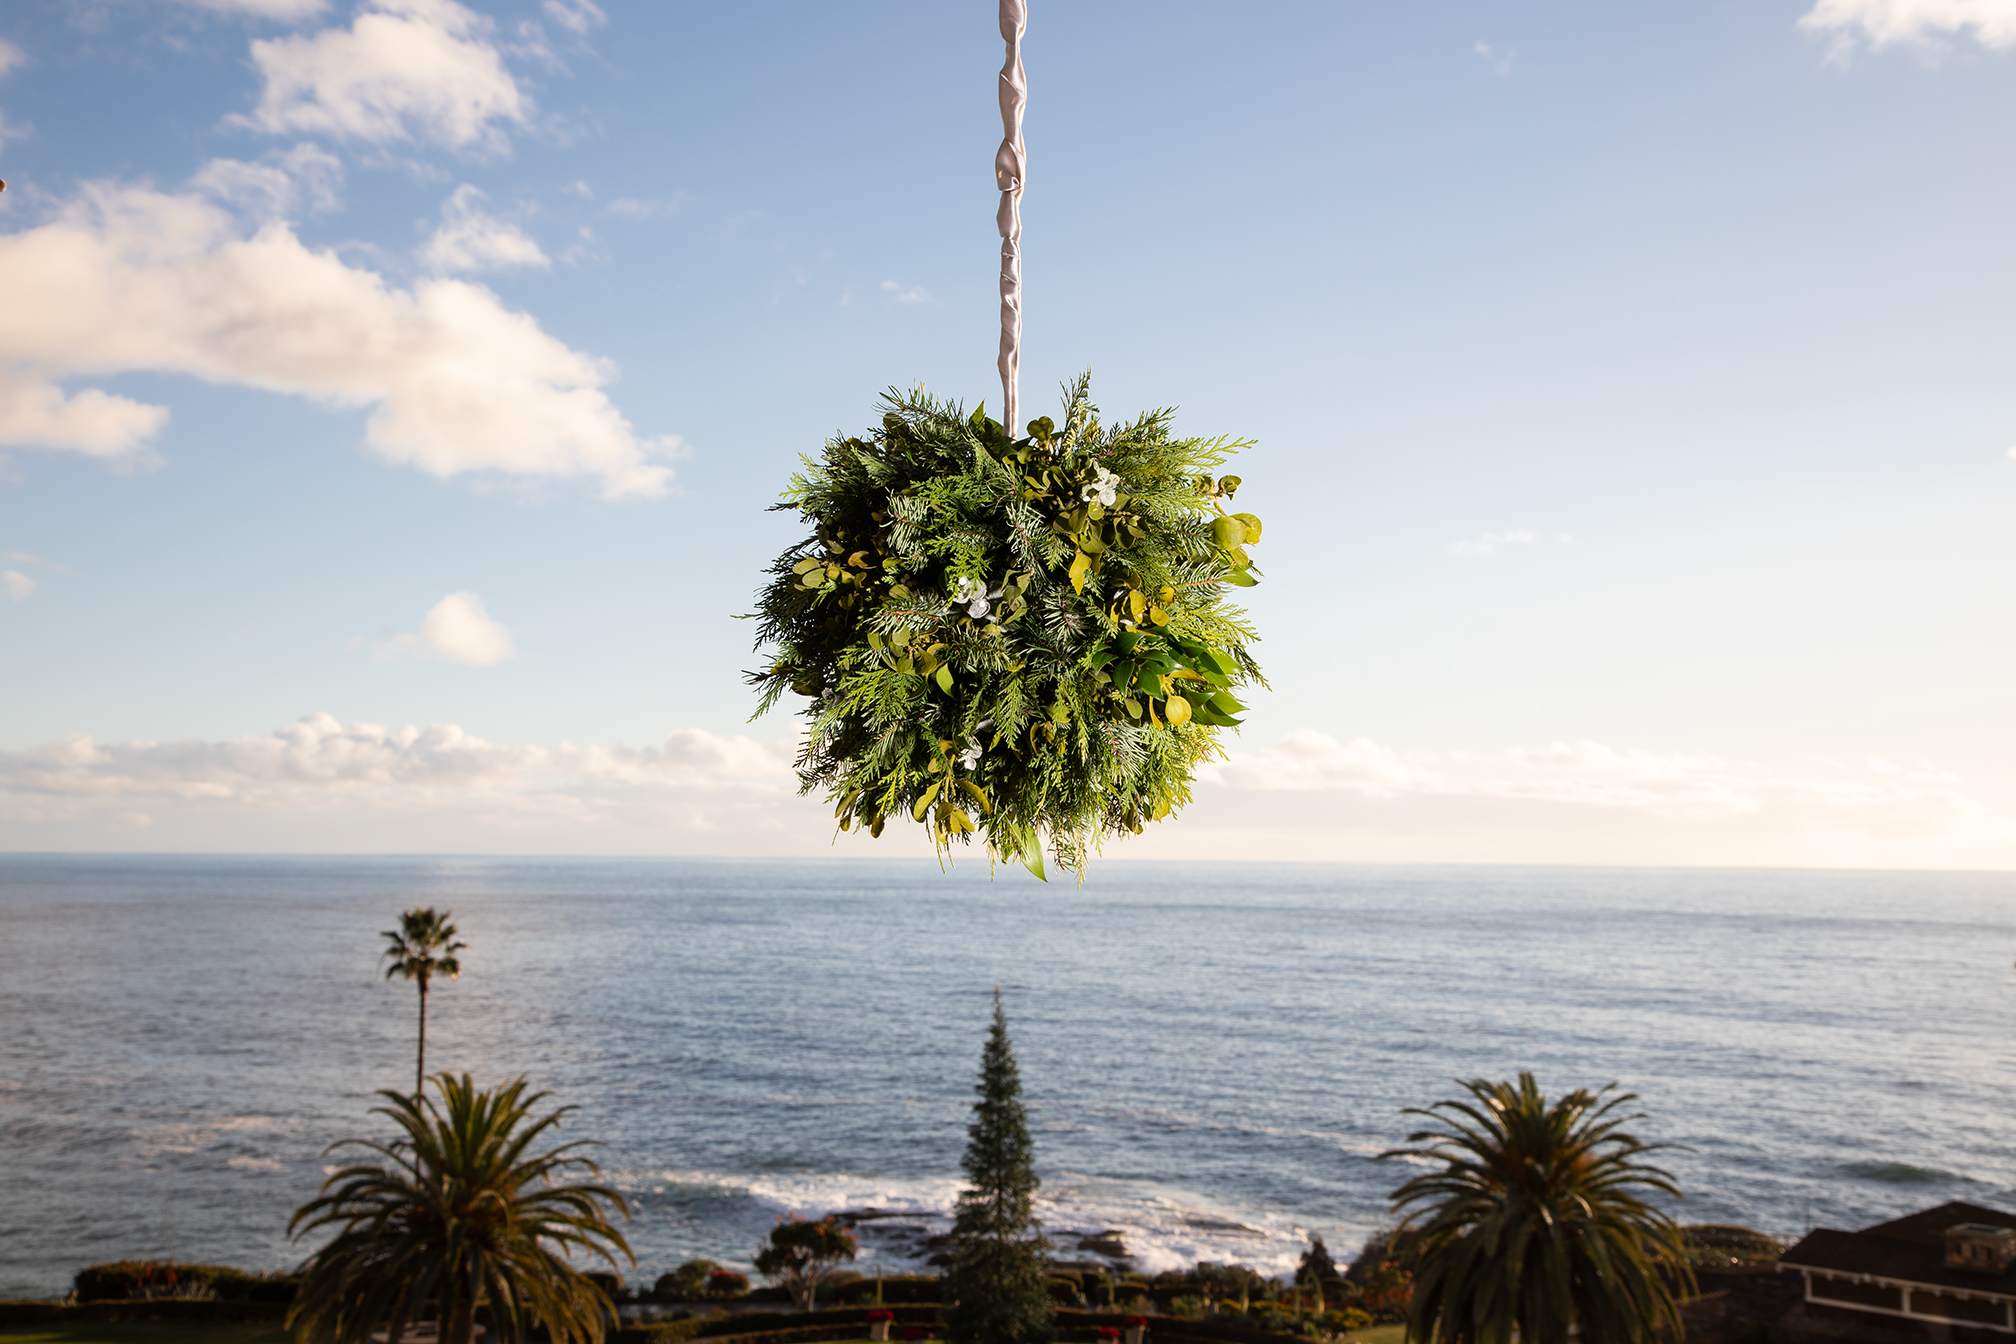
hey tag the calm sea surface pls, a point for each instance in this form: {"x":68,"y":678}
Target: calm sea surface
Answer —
{"x":1214,"y":1056}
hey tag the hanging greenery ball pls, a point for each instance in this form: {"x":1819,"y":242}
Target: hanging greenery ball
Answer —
{"x":1023,"y":639}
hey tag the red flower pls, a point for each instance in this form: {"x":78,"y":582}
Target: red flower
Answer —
{"x":1137,"y":1322}
{"x":1108,"y":1332}
{"x":881,"y":1314}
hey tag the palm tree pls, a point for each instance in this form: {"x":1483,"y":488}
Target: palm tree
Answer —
{"x":422,"y":947}
{"x":1534,"y":1223}
{"x":455,"y":1216}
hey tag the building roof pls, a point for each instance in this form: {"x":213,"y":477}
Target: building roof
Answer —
{"x":1912,"y":1248}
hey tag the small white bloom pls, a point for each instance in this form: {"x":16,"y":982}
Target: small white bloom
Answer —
{"x":970,"y":757}
{"x":975,"y":597}
{"x":1104,"y":488}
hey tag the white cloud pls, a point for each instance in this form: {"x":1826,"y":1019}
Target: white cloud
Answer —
{"x":897,"y":292}
{"x":1308,"y":796}
{"x":283,"y":185}
{"x":470,"y":238}
{"x":128,"y":279}
{"x":576,"y":16}
{"x":1882,"y":23}
{"x":278,"y":11}
{"x":320,"y":763}
{"x":459,"y":629}
{"x":16,"y":586}
{"x":403,"y":70}
{"x":1582,"y":773}
{"x":35,"y":413}
{"x":1511,"y":539}
{"x":1315,"y":796}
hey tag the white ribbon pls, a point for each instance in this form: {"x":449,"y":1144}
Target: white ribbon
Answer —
{"x":1009,"y":171}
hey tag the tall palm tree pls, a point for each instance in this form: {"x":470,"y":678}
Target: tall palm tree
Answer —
{"x":457,"y":1215}
{"x":1535,"y":1221}
{"x":422,"y":947}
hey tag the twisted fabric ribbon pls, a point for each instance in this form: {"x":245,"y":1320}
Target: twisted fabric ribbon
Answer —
{"x":1009,"y":173}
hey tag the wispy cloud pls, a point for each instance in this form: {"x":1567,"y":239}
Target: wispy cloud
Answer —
{"x":580,"y":17}
{"x":16,"y":586}
{"x":1883,"y":23}
{"x":470,"y":238}
{"x":127,"y":278}
{"x":12,"y":57}
{"x":1499,"y":59}
{"x":1511,"y":539}
{"x":457,"y":629}
{"x":275,"y":11}
{"x":633,"y":207}
{"x":895,"y":291}
{"x":283,"y":185}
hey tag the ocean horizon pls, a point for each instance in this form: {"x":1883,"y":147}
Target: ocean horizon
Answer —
{"x":1214,"y":1055}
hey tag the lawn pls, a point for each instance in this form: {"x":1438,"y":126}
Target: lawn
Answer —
{"x":1378,"y":1334}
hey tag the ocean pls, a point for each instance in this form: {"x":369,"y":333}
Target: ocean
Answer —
{"x":1214,"y":1055}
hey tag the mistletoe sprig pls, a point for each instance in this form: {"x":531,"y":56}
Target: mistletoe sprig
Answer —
{"x":1028,"y":640}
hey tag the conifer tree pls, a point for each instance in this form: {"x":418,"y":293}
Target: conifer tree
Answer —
{"x":997,"y":1283}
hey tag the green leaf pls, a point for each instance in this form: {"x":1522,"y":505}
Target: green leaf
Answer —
{"x":1178,"y":710}
{"x":1239,"y":578}
{"x":943,"y":676}
{"x":1081,"y":565}
{"x":923,"y":802}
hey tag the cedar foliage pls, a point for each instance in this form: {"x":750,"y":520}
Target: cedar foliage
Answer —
{"x":1027,"y":640}
{"x":998,"y":1279}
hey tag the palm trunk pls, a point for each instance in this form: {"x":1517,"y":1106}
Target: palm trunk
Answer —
{"x":420,"y":1060}
{"x":460,"y":1325}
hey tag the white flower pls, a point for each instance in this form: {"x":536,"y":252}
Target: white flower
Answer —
{"x":974,"y":597}
{"x":970,"y":757}
{"x":1104,"y":489}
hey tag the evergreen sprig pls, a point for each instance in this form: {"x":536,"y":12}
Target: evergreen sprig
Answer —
{"x":1024,"y":639}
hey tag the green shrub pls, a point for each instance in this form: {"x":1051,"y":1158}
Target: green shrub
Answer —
{"x":1347,"y":1320}
{"x":1189,"y":1306}
{"x":147,"y":1280}
{"x":685,"y":1283}
{"x":723,"y":1283}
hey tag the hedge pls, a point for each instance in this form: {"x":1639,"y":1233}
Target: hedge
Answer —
{"x":134,"y":1280}
{"x":182,"y":1310}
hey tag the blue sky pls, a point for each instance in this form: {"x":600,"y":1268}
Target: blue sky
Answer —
{"x":392,"y":392}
